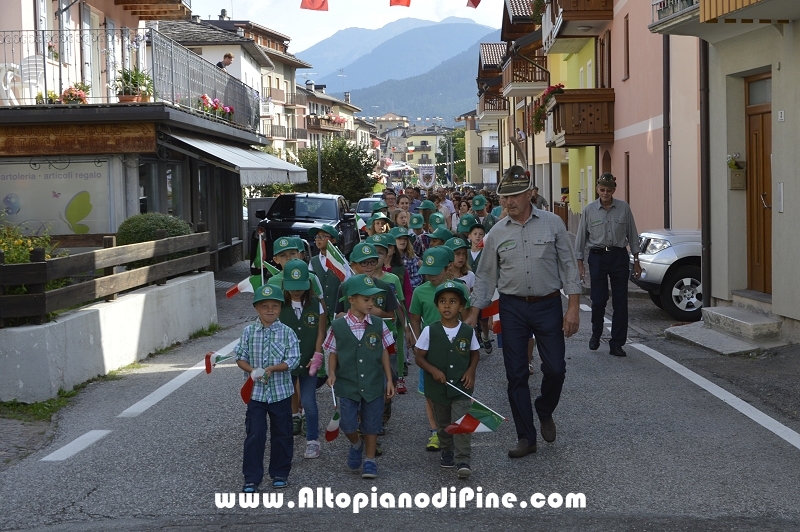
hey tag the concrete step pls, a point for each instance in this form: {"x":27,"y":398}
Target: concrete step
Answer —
{"x":743,"y":323}
{"x":698,"y":334}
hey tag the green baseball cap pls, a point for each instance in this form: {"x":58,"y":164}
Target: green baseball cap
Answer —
{"x":362,"y":252}
{"x":378,"y":240}
{"x":377,"y":216}
{"x":434,"y":260}
{"x":284,"y":243}
{"x":295,"y":275}
{"x":427,"y":204}
{"x":268,"y":291}
{"x":478,"y":203}
{"x":466,"y":222}
{"x":456,"y":287}
{"x":324,"y":228}
{"x":401,"y":232}
{"x":360,"y":285}
{"x":378,"y":205}
{"x":440,"y":233}
{"x":436,"y":219}
{"x":416,"y":221}
{"x":300,"y":243}
{"x":456,"y":243}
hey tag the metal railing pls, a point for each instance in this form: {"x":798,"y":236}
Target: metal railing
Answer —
{"x":296,"y":99}
{"x":276,"y":131}
{"x":318,"y":122}
{"x":296,"y":133}
{"x":664,"y":8}
{"x":488,"y":156}
{"x":57,"y":67}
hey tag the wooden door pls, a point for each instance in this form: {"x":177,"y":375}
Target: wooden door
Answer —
{"x":759,"y":183}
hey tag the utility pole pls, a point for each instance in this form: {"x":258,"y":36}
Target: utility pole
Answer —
{"x":319,"y":164}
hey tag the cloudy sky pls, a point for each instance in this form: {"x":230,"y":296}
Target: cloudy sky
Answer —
{"x":309,"y":27}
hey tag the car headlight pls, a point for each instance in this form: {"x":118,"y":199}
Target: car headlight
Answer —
{"x":655,"y":245}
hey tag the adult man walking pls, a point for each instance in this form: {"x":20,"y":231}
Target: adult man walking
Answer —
{"x":528,"y":258}
{"x":415,"y":199}
{"x":538,"y":201}
{"x":607,"y":225}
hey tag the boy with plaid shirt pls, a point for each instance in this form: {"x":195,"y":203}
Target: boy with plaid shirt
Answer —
{"x":268,"y":350}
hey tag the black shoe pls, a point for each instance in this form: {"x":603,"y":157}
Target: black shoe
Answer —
{"x":618,"y":352}
{"x":447,"y":459}
{"x":522,"y":449}
{"x":594,"y":343}
{"x":548,"y":430}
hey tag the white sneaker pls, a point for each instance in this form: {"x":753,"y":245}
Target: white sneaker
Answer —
{"x":312,"y":449}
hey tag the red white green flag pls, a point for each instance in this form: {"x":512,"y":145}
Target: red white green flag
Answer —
{"x":361,"y":224}
{"x":314,"y":5}
{"x":405,"y":3}
{"x":332,"y":431}
{"x":248,"y":285}
{"x":212,"y":359}
{"x":336,"y":262}
{"x":478,"y":419}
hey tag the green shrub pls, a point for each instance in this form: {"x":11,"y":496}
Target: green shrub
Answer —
{"x":143,"y":227}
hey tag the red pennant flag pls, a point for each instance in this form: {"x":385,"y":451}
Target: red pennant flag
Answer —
{"x":247,"y":390}
{"x":473,"y":3}
{"x":314,"y":5}
{"x":405,"y":3}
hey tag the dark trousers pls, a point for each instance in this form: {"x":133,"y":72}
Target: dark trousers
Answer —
{"x":544,"y":319}
{"x":281,"y":441}
{"x":612,"y":264}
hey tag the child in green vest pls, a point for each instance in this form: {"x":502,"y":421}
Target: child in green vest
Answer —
{"x":358,"y":365}
{"x":305,"y":314}
{"x":267,"y":351}
{"x":322,"y":236}
{"x":448,"y":352}
{"x":475,"y":235}
{"x":424,"y":312}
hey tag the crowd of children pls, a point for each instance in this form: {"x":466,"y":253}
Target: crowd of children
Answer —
{"x":404,"y":291}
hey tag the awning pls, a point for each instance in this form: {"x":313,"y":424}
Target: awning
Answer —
{"x":254,"y":167}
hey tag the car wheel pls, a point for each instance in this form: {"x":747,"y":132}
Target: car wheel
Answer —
{"x":682,"y":293}
{"x":656,"y":299}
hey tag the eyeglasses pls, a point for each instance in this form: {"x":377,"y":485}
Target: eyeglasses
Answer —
{"x":320,"y":236}
{"x":368,"y":263}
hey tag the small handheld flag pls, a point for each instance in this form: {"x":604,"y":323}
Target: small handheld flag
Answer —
{"x":332,"y":430}
{"x":248,"y":285}
{"x":480,"y":418}
{"x":212,"y":359}
{"x":361,"y":224}
{"x":247,"y":388}
{"x":336,"y":262}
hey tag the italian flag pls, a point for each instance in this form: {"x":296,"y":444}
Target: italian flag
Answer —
{"x":336,"y":262}
{"x":314,"y":5}
{"x":212,"y":359}
{"x":248,"y":285}
{"x":478,"y":419}
{"x":332,"y":430}
{"x":360,"y":224}
{"x":259,"y":262}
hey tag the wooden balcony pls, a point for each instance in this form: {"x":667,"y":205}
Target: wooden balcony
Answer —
{"x":567,"y":24}
{"x":492,"y":106}
{"x":317,"y":122}
{"x":277,"y":95}
{"x":157,"y":9}
{"x":580,"y":117}
{"x":522,"y":78}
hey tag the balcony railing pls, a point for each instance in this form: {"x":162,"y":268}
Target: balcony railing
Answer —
{"x":522,"y":78}
{"x":277,"y":95}
{"x":573,"y":18}
{"x":296,"y":99}
{"x":275,"y":131}
{"x":318,"y":122}
{"x":37,"y":67}
{"x":296,"y":133}
{"x":488,"y":156}
{"x":665,"y":8}
{"x":423,"y":147}
{"x":581,"y":117}
{"x":492,"y":107}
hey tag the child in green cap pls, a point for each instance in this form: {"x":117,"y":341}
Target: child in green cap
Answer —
{"x":267,"y":351}
{"x":447,"y":350}
{"x":358,"y":365}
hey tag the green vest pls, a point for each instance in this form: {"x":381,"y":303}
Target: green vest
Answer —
{"x":330,"y":285}
{"x":359,"y":371}
{"x":452,"y":358}
{"x":473,"y":263}
{"x":306,"y":329}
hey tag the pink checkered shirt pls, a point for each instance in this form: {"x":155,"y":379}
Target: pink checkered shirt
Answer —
{"x":358,"y":328}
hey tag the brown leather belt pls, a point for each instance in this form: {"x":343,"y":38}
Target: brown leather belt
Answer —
{"x":535,"y":299}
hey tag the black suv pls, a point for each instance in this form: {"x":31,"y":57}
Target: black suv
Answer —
{"x":295,"y":214}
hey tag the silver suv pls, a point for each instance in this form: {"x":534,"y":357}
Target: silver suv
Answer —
{"x":671,"y":271}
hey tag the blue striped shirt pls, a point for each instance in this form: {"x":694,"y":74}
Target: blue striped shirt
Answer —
{"x":267,"y":346}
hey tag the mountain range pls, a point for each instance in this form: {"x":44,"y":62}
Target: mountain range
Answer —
{"x":447,"y":90}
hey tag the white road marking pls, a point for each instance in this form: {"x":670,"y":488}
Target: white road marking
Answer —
{"x":606,"y":321}
{"x":172,"y":385}
{"x":779,"y":429}
{"x":75,"y":446}
{"x":585,"y":307}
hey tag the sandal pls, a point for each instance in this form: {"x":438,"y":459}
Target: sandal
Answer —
{"x":250,"y":487}
{"x":279,"y":483}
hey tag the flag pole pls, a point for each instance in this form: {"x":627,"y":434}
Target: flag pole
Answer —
{"x":333,"y":394}
{"x":483,"y":405}
{"x":261,"y":256}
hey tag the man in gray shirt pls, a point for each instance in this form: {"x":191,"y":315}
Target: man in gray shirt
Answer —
{"x":607,"y":225}
{"x":528,"y":258}
{"x":538,"y":201}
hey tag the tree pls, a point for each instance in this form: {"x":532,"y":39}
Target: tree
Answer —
{"x":459,"y":153}
{"x":346,"y":169}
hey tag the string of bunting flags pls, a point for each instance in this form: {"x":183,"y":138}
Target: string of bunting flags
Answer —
{"x":322,"y":5}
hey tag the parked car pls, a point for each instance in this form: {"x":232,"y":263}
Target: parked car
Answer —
{"x":670,"y":263}
{"x":295,"y":214}
{"x":364,"y":208}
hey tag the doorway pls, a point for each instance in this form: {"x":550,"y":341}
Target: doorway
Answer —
{"x":758,"y":109}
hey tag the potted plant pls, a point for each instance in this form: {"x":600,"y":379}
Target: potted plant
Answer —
{"x":73,"y":95}
{"x":147,"y":88}
{"x":131,"y":83}
{"x":52,"y":98}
